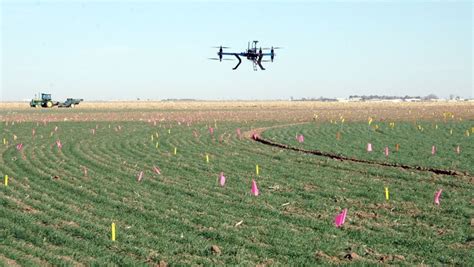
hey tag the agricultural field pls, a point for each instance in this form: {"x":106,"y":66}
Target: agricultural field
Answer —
{"x":153,"y":170}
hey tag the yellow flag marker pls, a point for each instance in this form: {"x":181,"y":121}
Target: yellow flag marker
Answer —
{"x":152,"y":138}
{"x":4,"y":141}
{"x":6,"y":180}
{"x":14,"y":137}
{"x":436,"y":126}
{"x":472,"y":130}
{"x":113,"y":231}
{"x":207,"y":158}
{"x":386,"y":193}
{"x":256,"y":169}
{"x":157,"y":144}
{"x":451,"y":132}
{"x":370,"y":120}
{"x":467,"y":132}
{"x":157,"y":135}
{"x":169,"y":131}
{"x":175,"y":150}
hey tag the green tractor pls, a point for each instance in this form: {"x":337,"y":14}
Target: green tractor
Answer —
{"x":45,"y":102}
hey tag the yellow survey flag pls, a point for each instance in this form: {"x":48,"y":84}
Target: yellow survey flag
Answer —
{"x":207,"y":158}
{"x":175,"y":150}
{"x":152,"y":138}
{"x":257,"y":169}
{"x":386,"y":193}
{"x":157,"y":144}
{"x":4,"y":141}
{"x":113,"y":231}
{"x":6,"y":180}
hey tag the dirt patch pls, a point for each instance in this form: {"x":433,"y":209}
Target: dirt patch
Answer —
{"x":9,"y":262}
{"x":26,"y":208}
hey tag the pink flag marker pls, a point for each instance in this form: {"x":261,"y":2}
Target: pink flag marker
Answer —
{"x":340,"y":218}
{"x":211,"y":130}
{"x":433,"y":150}
{"x":254,"y":188}
{"x":386,"y":151}
{"x":156,"y":170}
{"x":19,"y":146}
{"x":140,"y":176}
{"x":437,"y":196}
{"x":222,"y":179}
{"x":300,"y":138}
{"x":239,"y":133}
{"x":59,"y":144}
{"x":255,"y":136}
{"x":458,"y":150}
{"x":369,"y":147}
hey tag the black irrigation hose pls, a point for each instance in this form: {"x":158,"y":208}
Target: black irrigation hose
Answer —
{"x":342,"y":158}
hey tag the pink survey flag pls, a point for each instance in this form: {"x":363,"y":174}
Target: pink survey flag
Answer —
{"x":340,"y":218}
{"x":239,"y":133}
{"x":255,"y":136}
{"x":437,"y":196}
{"x":19,"y":146}
{"x":369,"y":147}
{"x":222,"y":179}
{"x":59,"y":144}
{"x":433,"y":150}
{"x":386,"y":151}
{"x":458,"y":150}
{"x":211,"y":130}
{"x":156,"y":170}
{"x":254,"y":188}
{"x":300,"y":138}
{"x":140,"y":176}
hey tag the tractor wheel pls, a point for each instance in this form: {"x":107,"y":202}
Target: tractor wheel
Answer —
{"x":49,"y":104}
{"x":72,"y":105}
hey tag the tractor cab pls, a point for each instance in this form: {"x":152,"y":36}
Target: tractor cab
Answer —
{"x":45,"y":97}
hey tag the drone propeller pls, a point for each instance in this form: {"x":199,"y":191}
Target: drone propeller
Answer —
{"x":215,"y":58}
{"x":226,"y":47}
{"x":270,"y":48}
{"x":266,"y":60}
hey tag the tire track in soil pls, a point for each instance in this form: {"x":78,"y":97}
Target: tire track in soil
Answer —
{"x":255,"y":135}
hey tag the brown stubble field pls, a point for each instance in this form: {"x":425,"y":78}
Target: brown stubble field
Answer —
{"x":203,"y":111}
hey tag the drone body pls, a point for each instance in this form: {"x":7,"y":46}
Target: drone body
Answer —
{"x":253,"y":54}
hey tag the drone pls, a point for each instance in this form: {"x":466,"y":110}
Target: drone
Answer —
{"x":253,"y":54}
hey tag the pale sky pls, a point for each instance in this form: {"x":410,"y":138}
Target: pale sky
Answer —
{"x":105,"y":50}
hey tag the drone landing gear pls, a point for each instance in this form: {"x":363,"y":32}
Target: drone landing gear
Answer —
{"x":240,"y":61}
{"x":259,"y":62}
